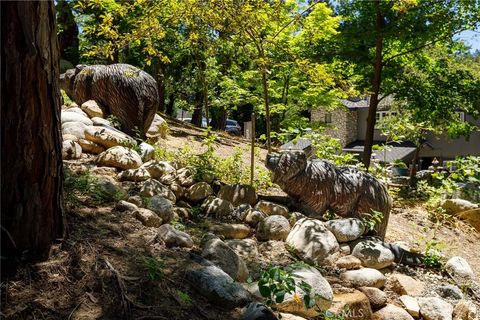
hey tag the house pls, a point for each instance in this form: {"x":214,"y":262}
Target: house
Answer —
{"x":349,"y":124}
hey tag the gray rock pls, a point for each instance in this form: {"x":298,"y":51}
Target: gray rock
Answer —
{"x":90,"y":147}
{"x":231,"y":231}
{"x":270,"y":208}
{"x":225,"y":258}
{"x":91,"y":108}
{"x":67,"y":116}
{"x":136,"y":175}
{"x":240,"y":211}
{"x":119,"y":157}
{"x":238,"y":194}
{"x":185,"y":177}
{"x":123,"y":205}
{"x":177,"y":190}
{"x":356,"y":302}
{"x":158,"y":129}
{"x":147,"y":152}
{"x":107,"y":189}
{"x":377,"y":297}
{"x":320,"y":288}
{"x":411,"y":305}
{"x":76,"y":129}
{"x":245,"y":248}
{"x":147,"y":217}
{"x":173,"y":237}
{"x":71,"y":150}
{"x":199,"y":191}
{"x":273,"y":228}
{"x":348,"y":262}
{"x":162,"y":171}
{"x":373,"y":254}
{"x":312,"y":241}
{"x":97,"y":121}
{"x":216,"y":206}
{"x":217,"y":286}
{"x":391,"y":312}
{"x":435,"y":309}
{"x":74,"y":108}
{"x":162,"y":207}
{"x":346,"y":229}
{"x":253,"y":217}
{"x":405,"y":285}
{"x":365,"y":277}
{"x":449,"y":291}
{"x":137,"y":200}
{"x":465,"y":310}
{"x":108,"y":137}
{"x":153,"y":187}
{"x":258,"y":311}
{"x":459,"y":269}
{"x":456,"y":206}
{"x":182,"y":212}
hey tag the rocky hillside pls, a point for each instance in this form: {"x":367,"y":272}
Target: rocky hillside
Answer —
{"x":152,"y":239}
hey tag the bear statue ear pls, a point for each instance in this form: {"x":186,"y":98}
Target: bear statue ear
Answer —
{"x":80,"y":67}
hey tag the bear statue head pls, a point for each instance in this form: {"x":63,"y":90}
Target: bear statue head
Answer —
{"x":286,"y":165}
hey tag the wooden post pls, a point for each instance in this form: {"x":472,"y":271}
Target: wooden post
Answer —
{"x":252,"y":160}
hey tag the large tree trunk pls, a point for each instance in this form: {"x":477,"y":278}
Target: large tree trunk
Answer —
{"x":376,"y":82}
{"x":31,"y":147}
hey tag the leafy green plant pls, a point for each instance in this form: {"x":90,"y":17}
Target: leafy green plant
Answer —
{"x":66,"y":99}
{"x":276,"y":282}
{"x":154,"y":267}
{"x":433,"y":253}
{"x":76,"y":186}
{"x":372,"y":219}
{"x":114,"y":122}
{"x":183,"y":296}
{"x":399,"y":164}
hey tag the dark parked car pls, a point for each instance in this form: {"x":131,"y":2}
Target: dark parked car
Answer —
{"x":233,"y":127}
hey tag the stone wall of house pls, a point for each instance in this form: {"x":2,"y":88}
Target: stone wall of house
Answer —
{"x":343,"y":126}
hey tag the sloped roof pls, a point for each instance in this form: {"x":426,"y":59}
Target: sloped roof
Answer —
{"x":301,"y":144}
{"x":396,"y":150}
{"x":361,"y":103}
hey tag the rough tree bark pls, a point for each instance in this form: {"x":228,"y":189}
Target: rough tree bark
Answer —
{"x":377,"y":78}
{"x":159,"y":70}
{"x":32,"y":215}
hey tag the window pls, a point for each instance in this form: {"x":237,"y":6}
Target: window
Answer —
{"x":383,"y":114}
{"x":328,"y":117}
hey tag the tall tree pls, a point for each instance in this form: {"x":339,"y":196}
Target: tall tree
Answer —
{"x":379,"y":35}
{"x":31,"y":148}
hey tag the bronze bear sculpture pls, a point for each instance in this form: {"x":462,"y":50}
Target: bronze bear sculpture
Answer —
{"x":122,"y":90}
{"x":323,"y":186}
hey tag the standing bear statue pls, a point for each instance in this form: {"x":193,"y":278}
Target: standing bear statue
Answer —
{"x":122,"y":90}
{"x":322,"y":186}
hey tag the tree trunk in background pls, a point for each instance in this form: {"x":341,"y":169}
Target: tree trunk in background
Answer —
{"x":377,"y":78}
{"x":32,"y":214}
{"x":160,"y":78}
{"x":197,"y":112}
{"x":219,"y":118}
{"x":68,"y":36}
{"x":170,"y":105}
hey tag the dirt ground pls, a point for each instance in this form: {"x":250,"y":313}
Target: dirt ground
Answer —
{"x":111,"y":267}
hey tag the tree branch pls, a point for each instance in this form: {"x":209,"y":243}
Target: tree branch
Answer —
{"x":422,"y":46}
{"x":296,"y":18}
